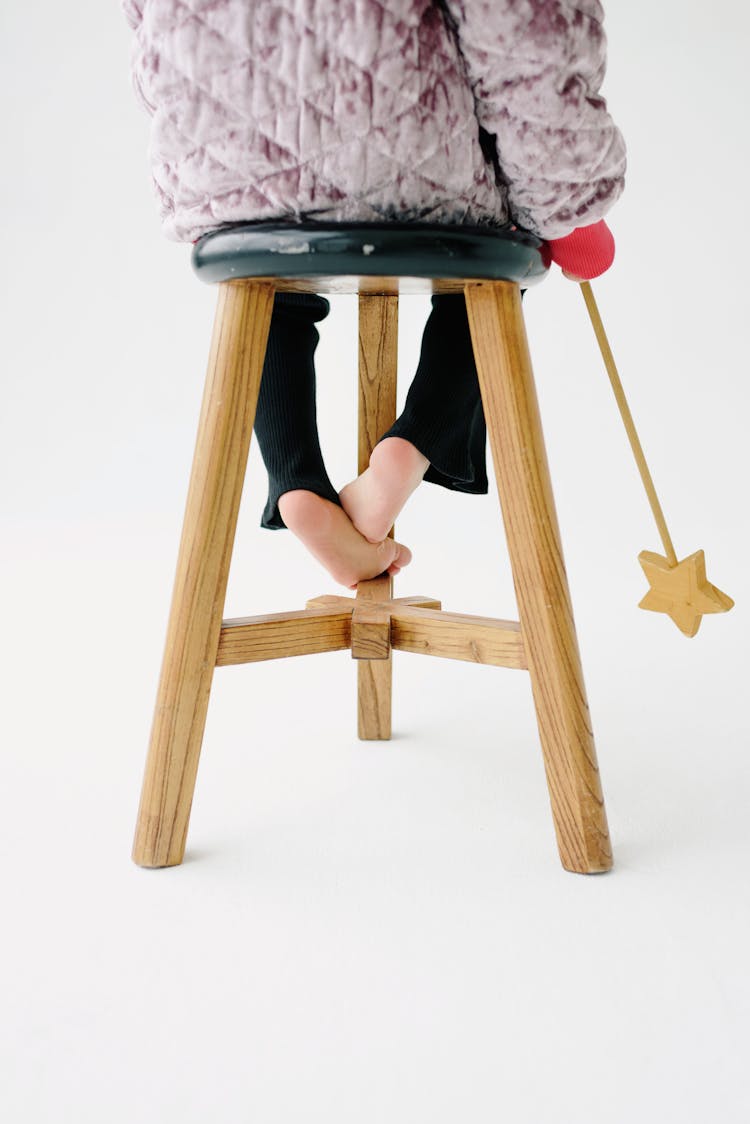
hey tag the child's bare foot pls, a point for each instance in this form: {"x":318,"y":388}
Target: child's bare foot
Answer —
{"x":375,"y":498}
{"x":327,"y":532}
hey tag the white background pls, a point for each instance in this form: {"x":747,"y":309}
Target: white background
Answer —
{"x":369,"y":932}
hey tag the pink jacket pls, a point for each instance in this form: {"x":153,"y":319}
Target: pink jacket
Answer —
{"x":451,"y":111}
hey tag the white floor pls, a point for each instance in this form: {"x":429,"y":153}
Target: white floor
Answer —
{"x":378,"y":933}
{"x":369,"y":931}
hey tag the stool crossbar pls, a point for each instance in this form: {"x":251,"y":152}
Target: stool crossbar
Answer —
{"x":379,"y":262}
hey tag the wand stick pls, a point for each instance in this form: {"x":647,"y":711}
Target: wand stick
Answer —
{"x":627,"y":417}
{"x":678,"y":588}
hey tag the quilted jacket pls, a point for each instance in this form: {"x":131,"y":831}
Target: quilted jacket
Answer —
{"x":473,"y":111}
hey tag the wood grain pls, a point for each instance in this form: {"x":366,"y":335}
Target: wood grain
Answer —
{"x":273,"y":636}
{"x":378,"y":361}
{"x":546,"y":617}
{"x":235,"y":367}
{"x":371,"y":632}
{"x":417,"y":624}
{"x":457,"y":636}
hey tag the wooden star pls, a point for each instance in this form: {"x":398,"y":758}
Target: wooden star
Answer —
{"x":681,"y":591}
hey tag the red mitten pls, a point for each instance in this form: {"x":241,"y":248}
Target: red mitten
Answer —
{"x":587,"y":252}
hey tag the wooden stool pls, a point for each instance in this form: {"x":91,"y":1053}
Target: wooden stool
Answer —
{"x":378,"y":261}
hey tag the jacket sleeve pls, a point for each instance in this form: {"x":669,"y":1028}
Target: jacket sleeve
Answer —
{"x":133,"y":12}
{"x":535,"y":68}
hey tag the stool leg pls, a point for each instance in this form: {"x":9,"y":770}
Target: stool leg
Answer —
{"x":378,"y":361}
{"x":243,"y":317}
{"x":546,"y":617}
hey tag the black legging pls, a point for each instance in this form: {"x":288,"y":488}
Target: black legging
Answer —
{"x":442,"y":417}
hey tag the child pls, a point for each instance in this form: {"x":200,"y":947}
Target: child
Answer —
{"x":378,"y":110}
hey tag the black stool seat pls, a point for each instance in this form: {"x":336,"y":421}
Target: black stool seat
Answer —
{"x":362,"y":256}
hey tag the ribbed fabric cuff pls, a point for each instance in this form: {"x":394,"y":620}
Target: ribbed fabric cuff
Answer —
{"x":587,"y":252}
